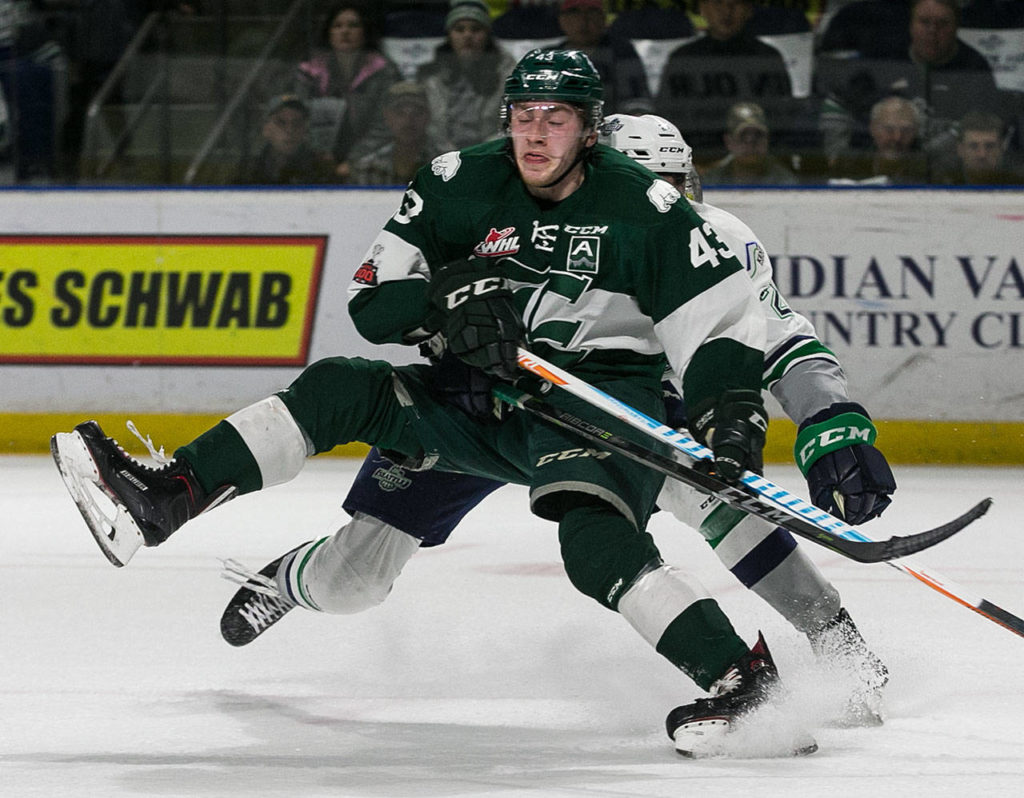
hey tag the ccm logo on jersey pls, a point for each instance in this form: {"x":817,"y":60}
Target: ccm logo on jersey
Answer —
{"x":498,"y":243}
{"x":569,"y":454}
{"x":484,"y":285}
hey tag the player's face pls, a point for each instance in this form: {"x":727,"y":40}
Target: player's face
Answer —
{"x":546,"y":138}
{"x":677,"y":181}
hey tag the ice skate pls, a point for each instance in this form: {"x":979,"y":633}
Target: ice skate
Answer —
{"x":127,"y":504}
{"x":257,"y":606}
{"x":841,"y":648}
{"x":700,"y":729}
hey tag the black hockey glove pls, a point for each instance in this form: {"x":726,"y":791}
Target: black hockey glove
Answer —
{"x":478,"y":316}
{"x":846,"y":475}
{"x":467,"y":388}
{"x":733,"y":427}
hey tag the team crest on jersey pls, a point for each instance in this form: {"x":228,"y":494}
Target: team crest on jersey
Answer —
{"x":584,"y":254}
{"x":498,"y":243}
{"x":662,"y":195}
{"x":544,"y":236}
{"x":366,"y":274}
{"x":445,"y":166}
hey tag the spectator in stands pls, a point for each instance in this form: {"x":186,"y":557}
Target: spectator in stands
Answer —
{"x":532,"y":20}
{"x":981,"y":151}
{"x":867,"y":29}
{"x":585,"y":25}
{"x":350,"y":68}
{"x":286,"y":157}
{"x":465,"y":80}
{"x":749,"y":162}
{"x":406,"y":115}
{"x":728,"y":64}
{"x":896,"y":157}
{"x":943,"y":75}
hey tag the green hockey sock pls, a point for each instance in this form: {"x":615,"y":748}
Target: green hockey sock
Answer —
{"x":702,"y":642}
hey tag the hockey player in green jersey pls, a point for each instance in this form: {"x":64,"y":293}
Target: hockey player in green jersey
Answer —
{"x":545,"y":239}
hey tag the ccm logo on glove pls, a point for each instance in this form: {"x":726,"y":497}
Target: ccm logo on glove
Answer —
{"x":481,"y":287}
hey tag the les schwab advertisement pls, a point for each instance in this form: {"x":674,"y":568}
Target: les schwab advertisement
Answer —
{"x":204,"y":300}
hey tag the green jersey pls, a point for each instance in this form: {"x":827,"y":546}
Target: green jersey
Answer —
{"x":612,"y":281}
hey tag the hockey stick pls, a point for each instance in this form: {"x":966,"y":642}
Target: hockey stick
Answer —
{"x":861,"y":551}
{"x":767,"y":489}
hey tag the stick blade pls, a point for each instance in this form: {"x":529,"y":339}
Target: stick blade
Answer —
{"x":905,"y":545}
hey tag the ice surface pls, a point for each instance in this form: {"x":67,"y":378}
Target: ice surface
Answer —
{"x":484,"y":673}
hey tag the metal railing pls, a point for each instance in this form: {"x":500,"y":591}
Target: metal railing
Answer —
{"x":242,"y":94}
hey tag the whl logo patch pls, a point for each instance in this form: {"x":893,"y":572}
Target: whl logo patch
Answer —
{"x":498,"y":243}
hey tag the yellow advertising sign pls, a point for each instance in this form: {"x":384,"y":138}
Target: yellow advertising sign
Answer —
{"x":205,"y":300}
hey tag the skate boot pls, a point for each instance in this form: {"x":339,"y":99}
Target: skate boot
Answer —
{"x":125,"y":503}
{"x":257,"y":606}
{"x":698,"y":729}
{"x":840,"y":646}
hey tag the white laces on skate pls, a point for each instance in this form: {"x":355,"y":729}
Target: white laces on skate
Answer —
{"x":729,"y":683}
{"x":159,"y":456}
{"x":267,"y":605}
{"x":235,"y":572}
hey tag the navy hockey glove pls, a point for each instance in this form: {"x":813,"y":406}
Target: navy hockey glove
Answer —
{"x":467,"y":388}
{"x":846,"y":475}
{"x":733,"y":427}
{"x":478,"y":316}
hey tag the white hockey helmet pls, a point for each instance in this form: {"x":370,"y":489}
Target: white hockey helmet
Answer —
{"x":655,"y":143}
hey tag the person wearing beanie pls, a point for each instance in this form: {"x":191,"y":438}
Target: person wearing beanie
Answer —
{"x":585,"y":25}
{"x":287,"y":156}
{"x":464,"y":81}
{"x":473,"y":10}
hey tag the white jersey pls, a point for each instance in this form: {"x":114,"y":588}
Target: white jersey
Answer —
{"x":799,"y":370}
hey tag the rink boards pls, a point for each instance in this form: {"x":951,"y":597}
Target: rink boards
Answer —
{"x":175,"y":307}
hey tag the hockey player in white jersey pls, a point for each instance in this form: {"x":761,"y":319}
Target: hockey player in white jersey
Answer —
{"x":355,"y":568}
{"x":846,"y":477}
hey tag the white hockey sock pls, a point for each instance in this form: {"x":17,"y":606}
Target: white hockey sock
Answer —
{"x":657,"y":598}
{"x":276,"y":441}
{"x":349,"y":571}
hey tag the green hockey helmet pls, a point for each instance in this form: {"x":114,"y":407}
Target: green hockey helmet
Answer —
{"x":567,"y":76}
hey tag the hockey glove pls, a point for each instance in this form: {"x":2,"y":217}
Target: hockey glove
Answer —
{"x":478,"y":316}
{"x":467,"y":388}
{"x":846,"y":475}
{"x":733,"y":427}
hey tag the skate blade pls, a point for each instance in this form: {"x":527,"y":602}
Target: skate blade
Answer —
{"x":115,"y":531}
{"x":714,"y":738}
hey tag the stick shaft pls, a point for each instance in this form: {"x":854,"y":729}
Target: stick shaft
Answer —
{"x":685,"y":443}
